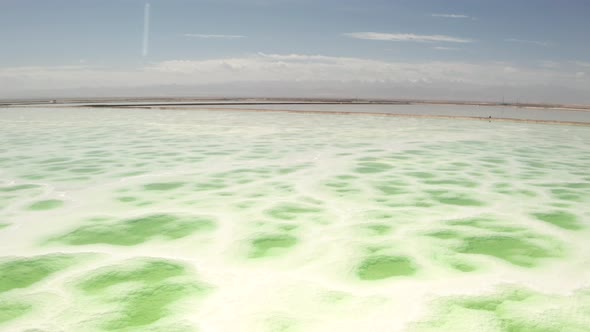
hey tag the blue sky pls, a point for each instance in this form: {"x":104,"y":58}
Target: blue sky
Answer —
{"x":82,"y":43}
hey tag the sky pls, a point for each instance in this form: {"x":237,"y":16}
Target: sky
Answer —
{"x":516,"y":50}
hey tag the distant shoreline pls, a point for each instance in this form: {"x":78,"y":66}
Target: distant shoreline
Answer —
{"x":400,"y":115}
{"x":578,"y":115}
{"x":155,"y":102}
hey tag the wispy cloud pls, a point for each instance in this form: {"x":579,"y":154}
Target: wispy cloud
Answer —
{"x":549,"y":64}
{"x":450,"y":15}
{"x":444,"y":48}
{"x":532,"y":42}
{"x":205,"y":36}
{"x":581,"y":63}
{"x":406,"y":37}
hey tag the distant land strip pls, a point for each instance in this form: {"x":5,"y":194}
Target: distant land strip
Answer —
{"x":133,"y":102}
{"x":462,"y":117}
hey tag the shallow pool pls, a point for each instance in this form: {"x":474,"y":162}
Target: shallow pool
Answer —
{"x":184,"y":220}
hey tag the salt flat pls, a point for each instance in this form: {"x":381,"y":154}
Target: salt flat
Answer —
{"x":184,"y":220}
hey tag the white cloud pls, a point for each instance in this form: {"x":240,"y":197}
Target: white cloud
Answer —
{"x":290,"y":68}
{"x":532,"y":42}
{"x":582,"y":63}
{"x":549,"y":64}
{"x":204,"y":36}
{"x":444,"y":48}
{"x":450,"y":15}
{"x":406,"y":37}
{"x":304,"y":67}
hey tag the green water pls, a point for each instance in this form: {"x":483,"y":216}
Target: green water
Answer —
{"x":148,"y":220}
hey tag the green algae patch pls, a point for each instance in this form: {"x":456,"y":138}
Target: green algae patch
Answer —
{"x":45,"y":205}
{"x":422,"y":175}
{"x":18,"y":187}
{"x":569,"y":195}
{"x":372,"y":167}
{"x":148,"y":271}
{"x":383,"y":267}
{"x":86,"y":170}
{"x":459,"y":200}
{"x":24,"y":272}
{"x":456,"y":183}
{"x":392,"y":189}
{"x":463,"y":267}
{"x":54,"y":160}
{"x":378,"y":229}
{"x":4,"y":225}
{"x":163,"y":186}
{"x":207,"y":186}
{"x":560,"y":219}
{"x":127,"y":199}
{"x":12,"y":310}
{"x":488,"y":224}
{"x":512,"y":310}
{"x":139,"y":230}
{"x":445,"y":234}
{"x":148,"y":305}
{"x":141,"y":292}
{"x":287,"y":227}
{"x":270,"y":245}
{"x":290,"y":211}
{"x":487,"y":236}
{"x":515,"y":250}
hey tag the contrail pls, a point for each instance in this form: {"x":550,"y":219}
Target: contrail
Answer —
{"x":146,"y":29}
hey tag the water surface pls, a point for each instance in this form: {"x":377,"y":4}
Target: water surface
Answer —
{"x":183,"y":220}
